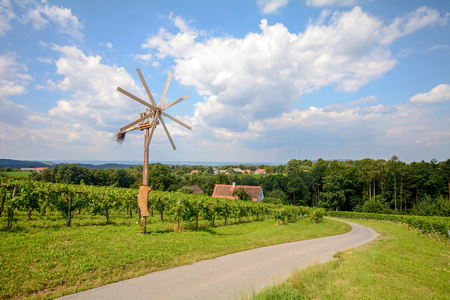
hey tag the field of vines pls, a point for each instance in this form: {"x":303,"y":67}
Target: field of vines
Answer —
{"x":38,"y":198}
{"x":430,"y":225}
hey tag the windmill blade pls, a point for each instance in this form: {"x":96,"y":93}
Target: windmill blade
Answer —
{"x":175,"y":120}
{"x":146,"y":87}
{"x":165,"y":90}
{"x":174,"y":102}
{"x":137,"y":99}
{"x":167,"y":132}
{"x":131,"y":129}
{"x":151,"y":131}
{"x":135,"y":122}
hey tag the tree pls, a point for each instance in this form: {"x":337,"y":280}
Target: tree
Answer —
{"x":160,"y":178}
{"x":292,"y":165}
{"x":333,"y":186}
{"x":298,"y":184}
{"x":242,"y":194}
{"x":317,"y":173}
{"x":444,"y":167}
{"x":276,"y":194}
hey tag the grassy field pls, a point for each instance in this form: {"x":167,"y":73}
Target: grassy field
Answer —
{"x":43,"y":259}
{"x":19,"y":174}
{"x":399,"y":265}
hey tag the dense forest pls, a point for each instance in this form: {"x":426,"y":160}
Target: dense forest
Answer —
{"x":367,"y":185}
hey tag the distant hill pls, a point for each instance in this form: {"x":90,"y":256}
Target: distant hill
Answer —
{"x":15,"y":164}
{"x":105,"y":166}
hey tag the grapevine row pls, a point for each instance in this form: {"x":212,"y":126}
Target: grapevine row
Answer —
{"x":440,"y":225}
{"x":67,"y":199}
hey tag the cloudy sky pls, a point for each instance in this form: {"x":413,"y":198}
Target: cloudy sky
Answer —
{"x":267,"y":80}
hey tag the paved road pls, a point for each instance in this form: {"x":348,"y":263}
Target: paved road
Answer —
{"x":226,"y":277}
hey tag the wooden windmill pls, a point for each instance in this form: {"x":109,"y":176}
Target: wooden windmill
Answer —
{"x":148,"y":120}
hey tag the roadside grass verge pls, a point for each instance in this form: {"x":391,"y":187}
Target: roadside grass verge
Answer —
{"x":400,"y":264}
{"x":44,"y":259}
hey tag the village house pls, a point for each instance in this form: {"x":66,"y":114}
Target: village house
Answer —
{"x":226,"y":191}
{"x":195,"y":189}
{"x":260,"y":171}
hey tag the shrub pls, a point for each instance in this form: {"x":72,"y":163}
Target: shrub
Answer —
{"x":316,"y":216}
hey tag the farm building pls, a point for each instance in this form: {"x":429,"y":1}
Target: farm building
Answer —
{"x":34,"y":169}
{"x":226,"y":191}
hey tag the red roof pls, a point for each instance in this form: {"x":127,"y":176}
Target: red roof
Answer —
{"x":195,"y":189}
{"x":226,"y":191}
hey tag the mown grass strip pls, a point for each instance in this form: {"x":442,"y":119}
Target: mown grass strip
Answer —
{"x":399,"y":265}
{"x":17,"y":174}
{"x":43,"y":259}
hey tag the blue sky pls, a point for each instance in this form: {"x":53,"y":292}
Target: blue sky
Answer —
{"x":267,"y":80}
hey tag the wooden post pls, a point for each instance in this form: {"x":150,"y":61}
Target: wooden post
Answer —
{"x":145,"y":175}
{"x":145,"y":171}
{"x":69,"y":212}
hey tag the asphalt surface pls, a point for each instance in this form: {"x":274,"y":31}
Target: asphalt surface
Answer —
{"x":233,"y":275}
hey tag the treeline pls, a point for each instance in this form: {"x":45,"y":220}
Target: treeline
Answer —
{"x":367,"y":185}
{"x":74,"y":174}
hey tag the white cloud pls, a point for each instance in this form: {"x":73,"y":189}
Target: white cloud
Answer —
{"x":13,"y":77}
{"x":6,"y":15}
{"x":439,"y":94}
{"x":81,"y":123}
{"x":268,"y":7}
{"x":250,"y":84}
{"x":40,"y":14}
{"x":170,"y":44}
{"x":420,"y":18}
{"x":12,"y":113}
{"x":365,"y":100}
{"x":319,"y":3}
{"x":92,"y":88}
{"x":248,"y":81}
{"x":108,"y":45}
{"x":263,"y":74}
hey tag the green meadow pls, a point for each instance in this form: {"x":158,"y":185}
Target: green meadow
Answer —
{"x":44,"y":259}
{"x":400,"y":264}
{"x":18,"y":174}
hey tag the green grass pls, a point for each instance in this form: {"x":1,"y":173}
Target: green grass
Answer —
{"x":43,"y":259}
{"x":399,"y":265}
{"x":19,"y":174}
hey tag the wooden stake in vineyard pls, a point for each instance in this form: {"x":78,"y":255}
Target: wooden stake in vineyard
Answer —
{"x":147,"y":122}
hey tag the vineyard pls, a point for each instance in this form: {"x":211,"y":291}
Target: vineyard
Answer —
{"x":431,"y":225}
{"x":69,"y":200}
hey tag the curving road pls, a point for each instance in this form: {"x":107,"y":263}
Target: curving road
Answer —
{"x":229,"y":276}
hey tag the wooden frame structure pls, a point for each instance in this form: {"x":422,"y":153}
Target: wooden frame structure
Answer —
{"x":147,"y":122}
